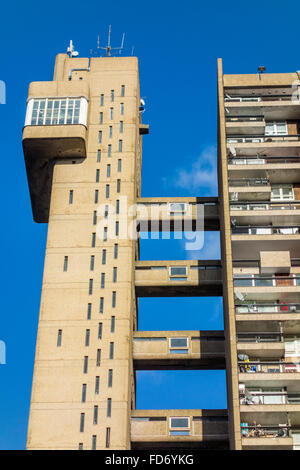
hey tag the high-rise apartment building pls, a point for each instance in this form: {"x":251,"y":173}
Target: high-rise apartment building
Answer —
{"x":82,"y":143}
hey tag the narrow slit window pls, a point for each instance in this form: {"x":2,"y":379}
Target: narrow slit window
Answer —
{"x":97,"y":385}
{"x":94,"y":442}
{"x":119,"y":165}
{"x":90,"y":286}
{"x":106,"y":211}
{"x":101,"y":118}
{"x":122,"y":90}
{"x":102,"y":283}
{"x":71,"y":193}
{"x":66,"y":261}
{"x":92,"y":263}
{"x":101,"y":307}
{"x":121,"y":109}
{"x":110,"y":378}
{"x":89,"y":311}
{"x":115,"y":273}
{"x":111,"y":350}
{"x":116,"y":247}
{"x":95,"y":418}
{"x":97,"y":175}
{"x":98,"y":359}
{"x":59,"y":338}
{"x":114,"y":299}
{"x":120,"y":145}
{"x":85,"y":364}
{"x":103,"y":256}
{"x":100,"y":137}
{"x":121,"y":127}
{"x":87,"y":337}
{"x":101,"y":100}
{"x":112,"y":95}
{"x":99,"y":156}
{"x":118,"y":185}
{"x":117,"y":206}
{"x":80,"y":446}
{"x":107,"y":191}
{"x":110,"y":132}
{"x":100,"y":328}
{"x":109,"y":150}
{"x":108,"y":167}
{"x":107,"y":443}
{"x":112,"y":324}
{"x":81,"y":426}
{"x":83,"y":393}
{"x":93,"y":240}
{"x":96,"y":196}
{"x":117,"y":229}
{"x":111,"y":113}
{"x":108,"y":410}
{"x":105,"y":234}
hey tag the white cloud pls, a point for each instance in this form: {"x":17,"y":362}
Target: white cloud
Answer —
{"x":200,"y":177}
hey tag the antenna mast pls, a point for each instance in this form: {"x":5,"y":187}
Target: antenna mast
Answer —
{"x":108,"y":48}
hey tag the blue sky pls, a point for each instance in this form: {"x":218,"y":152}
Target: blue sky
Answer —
{"x":177,"y":44}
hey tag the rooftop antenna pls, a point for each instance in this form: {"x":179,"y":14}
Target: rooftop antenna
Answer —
{"x":261,"y":70}
{"x":108,"y":48}
{"x":70,"y":50}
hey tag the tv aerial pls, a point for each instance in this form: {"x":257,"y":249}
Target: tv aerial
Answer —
{"x":108,"y":48}
{"x":70,"y":50}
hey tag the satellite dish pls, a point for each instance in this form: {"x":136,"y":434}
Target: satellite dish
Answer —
{"x":142,"y":102}
{"x":239,"y":295}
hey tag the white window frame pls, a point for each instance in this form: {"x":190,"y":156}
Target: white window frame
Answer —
{"x":275,"y":125}
{"x":82,"y":118}
{"x":281,"y":195}
{"x":177,"y":275}
{"x":177,"y":211}
{"x":179,"y":347}
{"x":180,"y":427}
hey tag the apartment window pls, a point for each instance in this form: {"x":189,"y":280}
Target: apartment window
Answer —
{"x":121,"y":127}
{"x":119,"y":165}
{"x":117,"y":229}
{"x":116,"y":247}
{"x":117,"y":206}
{"x":99,"y":156}
{"x":93,"y":240}
{"x":98,"y":359}
{"x":107,"y":444}
{"x":102,"y":284}
{"x":85,"y":364}
{"x":109,"y":150}
{"x":90,"y":286}
{"x":110,"y":378}
{"x":112,"y":324}
{"x":100,"y":328}
{"x":118,"y":186}
{"x":101,"y":306}
{"x":97,"y":175}
{"x":179,"y":423}
{"x":114,"y":299}
{"x":276,"y":128}
{"x":115,"y":274}
{"x":179,"y":343}
{"x":121,"y":108}
{"x":89,"y":311}
{"x":122,"y":90}
{"x":107,"y":191}
{"x":59,"y":338}
{"x":101,"y":100}
{"x":96,"y":196}
{"x":100,"y":137}
{"x":111,"y":350}
{"x":108,"y":171}
{"x":95,"y":418}
{"x":108,"y":409}
{"x":97,"y":385}
{"x":111,"y":113}
{"x":282,"y":192}
{"x":49,"y":111}
{"x":92,"y":263}
{"x":66,"y":259}
{"x":120,"y":145}
{"x":110,"y":132}
{"x":105,"y":234}
{"x":178,"y":271}
{"x":101,"y":118}
{"x":94,"y":442}
{"x":95,"y":218}
{"x":112,"y":95}
{"x":106,"y":212}
{"x":81,"y":426}
{"x":87,"y":337}
{"x":71,"y":196}
{"x":83,"y":393}
{"x":80,"y":446}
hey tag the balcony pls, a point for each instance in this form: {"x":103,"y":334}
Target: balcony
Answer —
{"x":275,"y":145}
{"x":263,"y":213}
{"x":177,"y":214}
{"x":266,"y":437}
{"x":245,"y":125}
{"x":178,"y":278}
{"x":268,"y":287}
{"x":288,"y":313}
{"x":169,"y":429}
{"x":278,"y":169}
{"x":178,"y":350}
{"x":55,"y":130}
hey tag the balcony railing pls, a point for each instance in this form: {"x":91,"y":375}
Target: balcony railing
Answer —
{"x":248,"y":182}
{"x":244,"y":118}
{"x":268,"y":367}
{"x":268,"y":398}
{"x":255,"y":263}
{"x":233,"y":99}
{"x":267,"y":308}
{"x":260,"y":337}
{"x":238,"y":139}
{"x":265,"y":230}
{"x":248,"y":280}
{"x":258,"y":430}
{"x":264,"y":206}
{"x":256,"y":160}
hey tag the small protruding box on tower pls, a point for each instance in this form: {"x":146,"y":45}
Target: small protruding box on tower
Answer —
{"x":272,"y":262}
